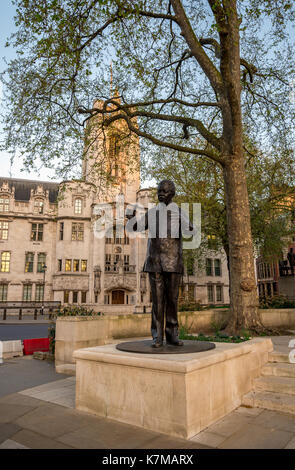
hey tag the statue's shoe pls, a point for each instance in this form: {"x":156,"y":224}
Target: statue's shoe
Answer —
{"x":175,"y":342}
{"x":157,"y":344}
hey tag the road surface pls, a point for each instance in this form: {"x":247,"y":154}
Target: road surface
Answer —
{"x":25,"y":331}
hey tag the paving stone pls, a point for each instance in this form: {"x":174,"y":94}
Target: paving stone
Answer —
{"x":9,"y":444}
{"x":244,"y":410}
{"x":195,"y":445}
{"x":9,"y":412}
{"x":36,"y":441}
{"x":253,"y":436}
{"x":49,"y":395}
{"x":208,"y":438}
{"x":168,"y":442}
{"x":43,"y":409}
{"x":51,"y":422}
{"x":108,"y":434}
{"x":291,"y":444}
{"x":85,"y":438}
{"x":229,"y":424}
{"x":18,"y":399}
{"x":7,"y":430}
{"x":273,"y":419}
{"x":56,"y":385}
{"x":68,"y":401}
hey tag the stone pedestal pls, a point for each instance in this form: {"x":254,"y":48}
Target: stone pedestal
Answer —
{"x":175,"y":394}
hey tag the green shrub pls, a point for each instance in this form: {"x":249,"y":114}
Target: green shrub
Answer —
{"x":276,"y":301}
{"x":218,"y":338}
{"x":190,"y":307}
{"x":76,"y":311}
{"x":51,"y":336}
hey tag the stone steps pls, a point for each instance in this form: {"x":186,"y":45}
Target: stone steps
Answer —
{"x":275,"y":389}
{"x":280,"y":369}
{"x":277,"y":356}
{"x":270,"y":401}
{"x":275,"y":384}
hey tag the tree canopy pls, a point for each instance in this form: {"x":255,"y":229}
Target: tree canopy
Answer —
{"x":62,"y":65}
{"x":271,"y":188}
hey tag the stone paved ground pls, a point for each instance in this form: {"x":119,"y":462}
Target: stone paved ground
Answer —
{"x":43,"y":417}
{"x":29,"y":422}
{"x":19,"y":373}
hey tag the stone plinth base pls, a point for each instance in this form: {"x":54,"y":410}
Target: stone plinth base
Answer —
{"x":174,"y":394}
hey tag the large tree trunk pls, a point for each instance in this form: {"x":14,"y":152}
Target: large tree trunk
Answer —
{"x":243,"y":291}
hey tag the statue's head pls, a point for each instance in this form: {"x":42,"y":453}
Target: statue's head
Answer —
{"x":166,"y":191}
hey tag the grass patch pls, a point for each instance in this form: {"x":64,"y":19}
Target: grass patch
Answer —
{"x":218,"y":337}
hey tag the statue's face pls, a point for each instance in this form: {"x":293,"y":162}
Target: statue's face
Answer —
{"x":165,"y":193}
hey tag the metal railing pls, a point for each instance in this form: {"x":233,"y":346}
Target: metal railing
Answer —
{"x":21,"y":306}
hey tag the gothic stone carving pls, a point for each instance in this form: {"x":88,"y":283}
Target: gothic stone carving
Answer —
{"x":117,"y":281}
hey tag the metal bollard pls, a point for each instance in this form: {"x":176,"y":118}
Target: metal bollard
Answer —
{"x":35,"y":313}
{"x":4,"y":314}
{"x":20,"y":314}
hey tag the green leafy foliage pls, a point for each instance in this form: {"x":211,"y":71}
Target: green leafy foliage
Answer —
{"x":63,"y":56}
{"x":271,"y":189}
{"x":51,"y":336}
{"x":190,"y":307}
{"x":217,"y":338}
{"x":276,"y":301}
{"x":76,"y":311}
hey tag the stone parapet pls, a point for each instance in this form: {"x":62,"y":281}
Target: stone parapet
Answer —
{"x":81,"y":332}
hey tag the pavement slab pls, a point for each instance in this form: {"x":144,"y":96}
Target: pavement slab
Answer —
{"x":9,"y":412}
{"x":21,"y":373}
{"x":10,"y":444}
{"x":51,"y":421}
{"x":7,"y":430}
{"x":291,"y":444}
{"x":104,"y":435}
{"x":273,"y":419}
{"x":244,"y":410}
{"x":229,"y":424}
{"x":208,"y":438}
{"x":18,"y":399}
{"x":33,"y":440}
{"x":253,"y":436}
{"x":60,"y":392}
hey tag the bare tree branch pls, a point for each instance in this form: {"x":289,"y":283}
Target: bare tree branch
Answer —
{"x":132,"y":113}
{"x":196,"y":49}
{"x":160,"y":142}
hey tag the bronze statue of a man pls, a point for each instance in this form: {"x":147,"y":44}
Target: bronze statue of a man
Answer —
{"x":166,"y":224}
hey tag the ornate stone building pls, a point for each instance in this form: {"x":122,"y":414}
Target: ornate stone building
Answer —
{"x":50,"y":251}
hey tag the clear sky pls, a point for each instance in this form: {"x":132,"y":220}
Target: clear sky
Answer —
{"x":14,"y":169}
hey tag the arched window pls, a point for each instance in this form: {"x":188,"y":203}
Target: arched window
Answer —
{"x":38,"y":206}
{"x":4,"y":204}
{"x":78,"y":205}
